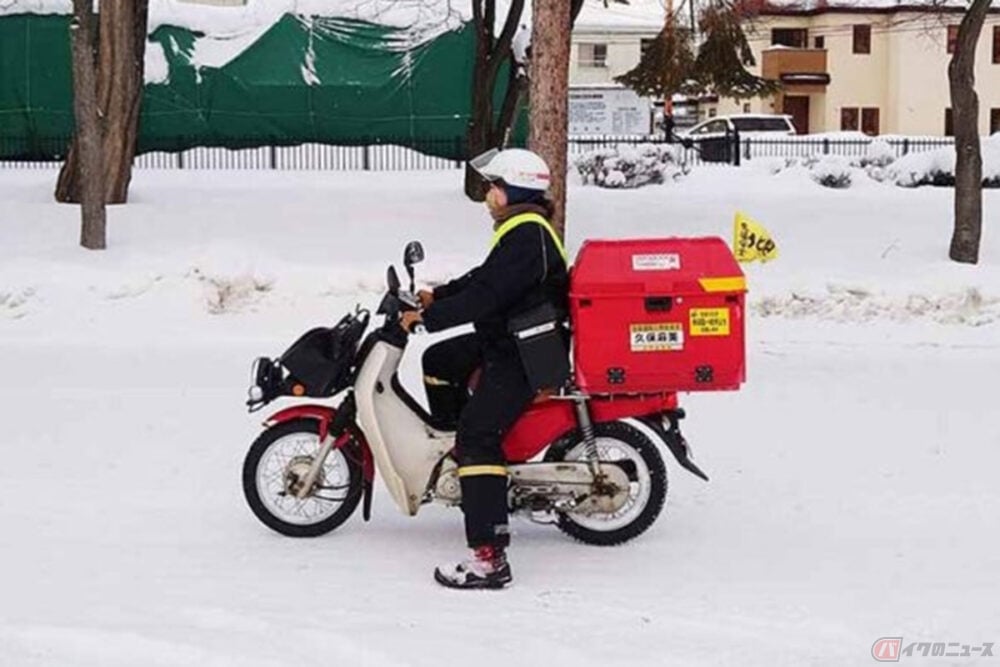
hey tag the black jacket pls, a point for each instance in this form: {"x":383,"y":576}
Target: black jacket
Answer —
{"x":521,"y":272}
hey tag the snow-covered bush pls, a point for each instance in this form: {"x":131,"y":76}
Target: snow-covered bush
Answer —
{"x":938,"y":167}
{"x":831,"y":171}
{"x":878,"y":154}
{"x":631,"y":166}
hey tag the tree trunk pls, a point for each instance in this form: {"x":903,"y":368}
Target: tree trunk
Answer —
{"x":121,"y":52}
{"x":968,"y":158}
{"x":87,"y":158}
{"x":481,"y":112}
{"x":485,"y":130}
{"x":550,"y":49}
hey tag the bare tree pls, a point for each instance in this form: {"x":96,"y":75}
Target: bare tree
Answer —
{"x":120,"y":56}
{"x":550,"y":49}
{"x":487,"y":129}
{"x":87,"y":158}
{"x":968,"y":159}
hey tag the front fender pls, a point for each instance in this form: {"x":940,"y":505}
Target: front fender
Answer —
{"x":322,"y":413}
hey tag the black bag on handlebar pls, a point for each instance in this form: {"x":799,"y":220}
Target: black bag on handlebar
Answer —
{"x":320,"y":360}
{"x":542,"y":344}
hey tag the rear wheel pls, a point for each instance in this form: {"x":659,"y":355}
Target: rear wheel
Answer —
{"x":278,"y":461}
{"x":617,"y":441}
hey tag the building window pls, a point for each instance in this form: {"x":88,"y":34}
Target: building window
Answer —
{"x":746,"y":107}
{"x":952,"y":38}
{"x":994,"y":121}
{"x":849,"y":119}
{"x":593,"y":55}
{"x":820,"y":42}
{"x":712,"y":112}
{"x":870,"y":121}
{"x":862,"y":39}
{"x":996,"y":45}
{"x":797,"y":38}
{"x":949,"y":123}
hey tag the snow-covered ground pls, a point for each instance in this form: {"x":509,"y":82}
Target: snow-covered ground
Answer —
{"x":854,"y":484}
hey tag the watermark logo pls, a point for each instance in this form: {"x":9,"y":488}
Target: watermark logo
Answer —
{"x":892,"y":649}
{"x":886,"y":649}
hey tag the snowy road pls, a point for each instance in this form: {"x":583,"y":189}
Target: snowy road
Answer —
{"x":845,"y":504}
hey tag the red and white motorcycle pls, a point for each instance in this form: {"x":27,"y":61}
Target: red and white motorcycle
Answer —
{"x":590,"y":462}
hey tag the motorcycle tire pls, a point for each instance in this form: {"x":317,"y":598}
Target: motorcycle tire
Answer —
{"x":269,"y":511}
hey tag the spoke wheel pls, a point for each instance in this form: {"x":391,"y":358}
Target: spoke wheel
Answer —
{"x":275,"y":468}
{"x":617,"y":441}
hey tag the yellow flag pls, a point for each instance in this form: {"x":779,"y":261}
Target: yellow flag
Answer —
{"x":751,"y":241}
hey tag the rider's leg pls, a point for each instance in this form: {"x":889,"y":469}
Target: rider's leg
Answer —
{"x":447,"y":366}
{"x":499,"y":399}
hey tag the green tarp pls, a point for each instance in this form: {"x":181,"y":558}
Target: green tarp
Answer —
{"x":325,"y":80}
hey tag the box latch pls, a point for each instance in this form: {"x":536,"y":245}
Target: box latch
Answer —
{"x":659,"y":303}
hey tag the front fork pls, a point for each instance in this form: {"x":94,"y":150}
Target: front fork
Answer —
{"x":334,"y":433}
{"x":330,"y":434}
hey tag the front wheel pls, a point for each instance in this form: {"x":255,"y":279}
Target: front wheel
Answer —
{"x":616,"y":441}
{"x":278,"y":461}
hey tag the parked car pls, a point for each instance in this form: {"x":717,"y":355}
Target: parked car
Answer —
{"x":713,"y":137}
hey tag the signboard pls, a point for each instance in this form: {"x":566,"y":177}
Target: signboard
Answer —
{"x":611,"y":110}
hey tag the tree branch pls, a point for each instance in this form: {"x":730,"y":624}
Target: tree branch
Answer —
{"x":501,"y":47}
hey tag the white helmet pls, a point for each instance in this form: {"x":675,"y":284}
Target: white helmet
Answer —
{"x":513,"y":166}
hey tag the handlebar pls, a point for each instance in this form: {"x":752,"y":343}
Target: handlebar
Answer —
{"x":408,"y":299}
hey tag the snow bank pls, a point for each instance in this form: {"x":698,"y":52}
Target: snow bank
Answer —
{"x":878,"y":164}
{"x":938,"y":167}
{"x":266,"y":246}
{"x":854,"y":304}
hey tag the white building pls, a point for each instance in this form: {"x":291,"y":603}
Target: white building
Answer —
{"x":879,"y":68}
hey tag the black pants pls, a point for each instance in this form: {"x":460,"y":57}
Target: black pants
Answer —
{"x":483,"y":420}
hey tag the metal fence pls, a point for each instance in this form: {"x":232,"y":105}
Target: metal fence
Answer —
{"x":369,"y":155}
{"x":734,"y":150}
{"x":361,"y":155}
{"x":787,"y":147}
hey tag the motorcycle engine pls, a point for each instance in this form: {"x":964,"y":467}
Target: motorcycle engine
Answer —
{"x":448,"y":489}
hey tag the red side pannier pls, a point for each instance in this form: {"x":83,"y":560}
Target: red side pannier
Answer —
{"x":651,"y":315}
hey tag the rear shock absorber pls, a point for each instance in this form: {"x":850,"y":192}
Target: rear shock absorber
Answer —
{"x":587,"y":431}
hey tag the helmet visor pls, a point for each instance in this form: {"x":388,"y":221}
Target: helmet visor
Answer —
{"x":481,"y":164}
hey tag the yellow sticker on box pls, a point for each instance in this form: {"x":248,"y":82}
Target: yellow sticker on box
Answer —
{"x":709,"y":322}
{"x":656,"y":337}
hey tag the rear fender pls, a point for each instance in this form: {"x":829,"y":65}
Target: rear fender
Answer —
{"x":672,"y":438}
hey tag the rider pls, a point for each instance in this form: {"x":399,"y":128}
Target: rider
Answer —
{"x":526,"y":268}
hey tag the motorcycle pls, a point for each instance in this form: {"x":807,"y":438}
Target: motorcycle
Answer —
{"x":588,"y":463}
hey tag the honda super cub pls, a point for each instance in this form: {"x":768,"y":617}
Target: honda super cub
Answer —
{"x":590,"y":462}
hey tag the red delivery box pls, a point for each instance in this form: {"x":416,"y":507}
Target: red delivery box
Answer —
{"x":652,"y":315}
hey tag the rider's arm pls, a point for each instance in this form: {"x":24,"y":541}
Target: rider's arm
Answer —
{"x":455,"y":286}
{"x":514,"y":267}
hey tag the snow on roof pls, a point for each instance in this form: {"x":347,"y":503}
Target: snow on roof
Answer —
{"x":816,"y":6}
{"x":229,"y":30}
{"x":637,"y":16}
{"x":426,"y":19}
